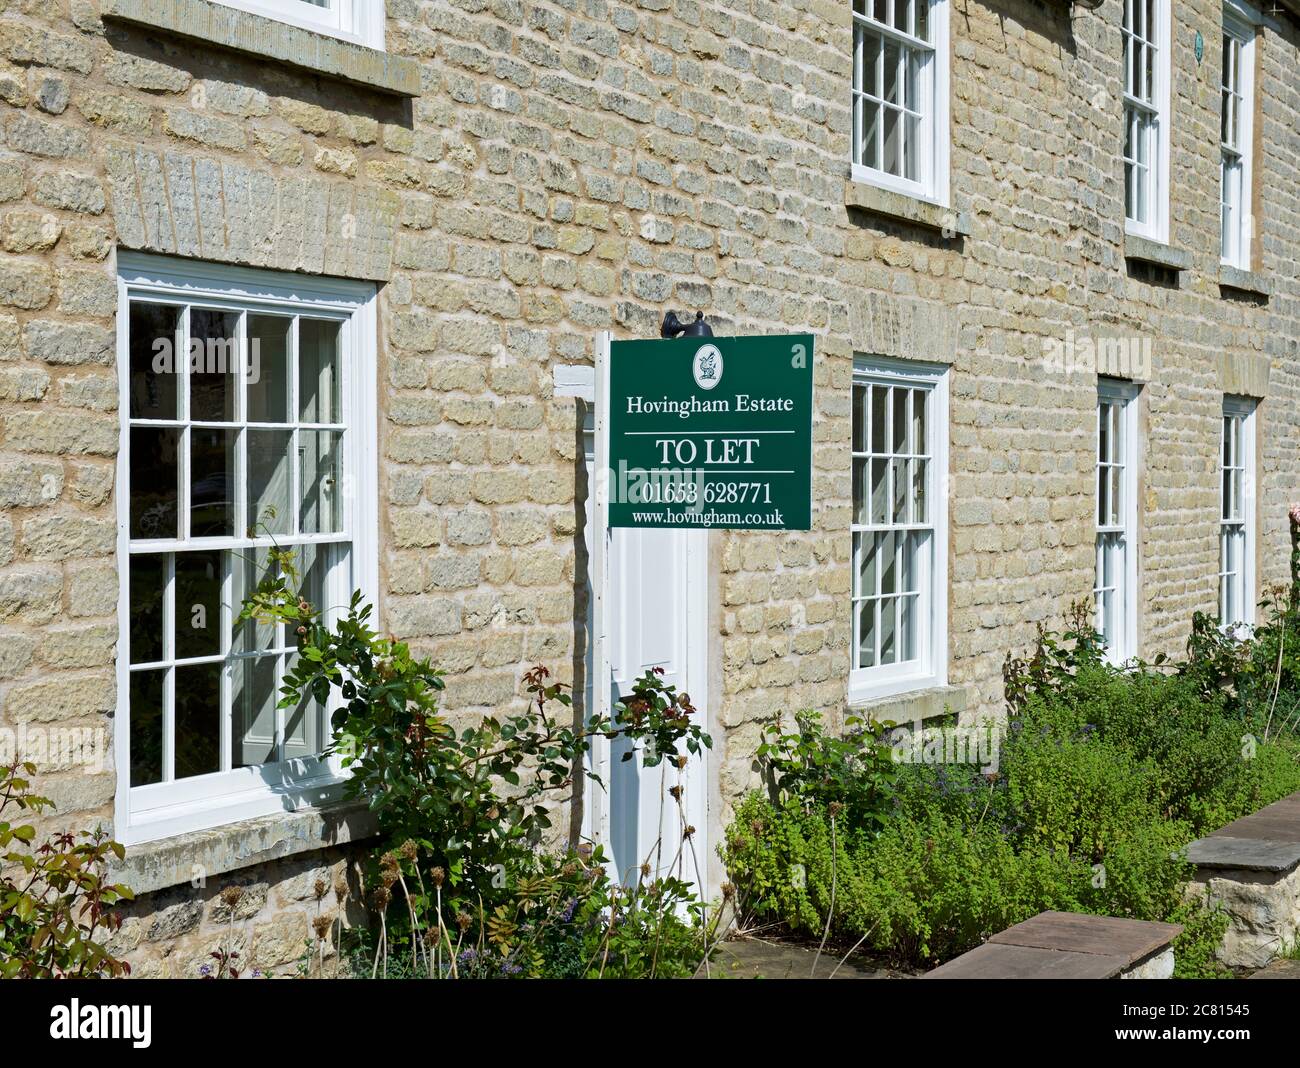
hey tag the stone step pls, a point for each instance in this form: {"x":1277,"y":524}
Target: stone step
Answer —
{"x":1068,"y":945}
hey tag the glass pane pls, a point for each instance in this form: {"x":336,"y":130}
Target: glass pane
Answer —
{"x":920,"y":444}
{"x":911,"y":543}
{"x":860,"y":514}
{"x":879,"y":491}
{"x":864,"y":553}
{"x":314,"y":562}
{"x":304,"y":726}
{"x":318,"y":371}
{"x":887,"y":561}
{"x":319,"y":474}
{"x":920,"y":502}
{"x":268,"y":368}
{"x":214,"y":359}
{"x":250,"y":567}
{"x":911,"y":146}
{"x":1103,"y":496}
{"x":899,"y":426}
{"x":893,"y":147}
{"x":900,"y":483}
{"x":907,"y":608}
{"x":923,"y":19}
{"x":888,"y":629}
{"x":879,"y":402}
{"x":148,"y":579}
{"x":1116,"y":499}
{"x":866,"y":634}
{"x":198,"y":604}
{"x":198,"y":719}
{"x":902,"y":11}
{"x":879,"y":12}
{"x":154,"y":337}
{"x":860,"y":394}
{"x":254,"y":685}
{"x":870,"y":134}
{"x":146,"y":726}
{"x":212,"y":483}
{"x":155,"y":487}
{"x":893,"y":87}
{"x":870,"y":81}
{"x":269,"y":510}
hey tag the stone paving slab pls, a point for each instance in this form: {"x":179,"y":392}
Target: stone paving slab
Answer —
{"x":1127,"y":940}
{"x":1249,"y":854}
{"x":752,"y":958}
{"x":1280,"y":969}
{"x":1002,"y":961}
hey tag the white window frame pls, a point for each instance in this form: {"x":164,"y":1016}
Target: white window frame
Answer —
{"x":1237,"y":159}
{"x":930,"y":670}
{"x":358,"y":21}
{"x":1119,"y":539}
{"x":1156,"y":225}
{"x":932,"y":185}
{"x":159,"y":810}
{"x":1237,"y":519}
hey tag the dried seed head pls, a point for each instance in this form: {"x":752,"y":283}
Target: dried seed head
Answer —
{"x":341,"y":886}
{"x":836,"y":807}
{"x":728,"y":891}
{"x":645,"y":870}
{"x":409,"y":849}
{"x":321,"y":888}
{"x":437,"y":875}
{"x":380,"y":897}
{"x":675,"y":792}
{"x":231,"y":896}
{"x":463,"y":921}
{"x":322,"y":925}
{"x":689,"y":832}
{"x":388,"y":876}
{"x":681,"y":761}
{"x":388,"y":862}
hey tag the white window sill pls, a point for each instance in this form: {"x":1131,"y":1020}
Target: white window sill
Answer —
{"x":869,"y":197}
{"x":243,"y":31}
{"x":152,"y":866}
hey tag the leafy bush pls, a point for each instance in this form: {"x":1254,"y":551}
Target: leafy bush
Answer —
{"x":462,"y":813}
{"x":55,"y":904}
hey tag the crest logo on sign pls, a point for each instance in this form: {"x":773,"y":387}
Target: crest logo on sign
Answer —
{"x":707,"y":366}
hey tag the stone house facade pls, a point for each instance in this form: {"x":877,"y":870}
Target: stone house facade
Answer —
{"x":1011,"y":226}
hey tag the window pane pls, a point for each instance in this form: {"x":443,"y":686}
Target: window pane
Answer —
{"x":198,"y":604}
{"x":269,"y":510}
{"x":888,"y":629}
{"x":146,"y":726}
{"x":879,"y":491}
{"x":887,"y":556}
{"x":155,"y":496}
{"x":148,"y":580}
{"x":879,"y":403}
{"x":864,"y":553}
{"x":867,"y":634}
{"x":893,"y":85}
{"x":268,"y":368}
{"x":923,"y":19}
{"x":907,"y":627}
{"x":911,"y":146}
{"x":318,"y":371}
{"x":902,"y":9}
{"x":860,"y":394}
{"x":900,"y":484}
{"x":1116,"y":495}
{"x":250,"y":567}
{"x":919,"y":442}
{"x":893,"y":143}
{"x":870,"y":134}
{"x":198,"y":719}
{"x":920,"y":501}
{"x":255,"y":681}
{"x":212,"y":483}
{"x":304,"y":726}
{"x":319,"y":456}
{"x":900,"y":423}
{"x":214,"y":359}
{"x":154,"y":337}
{"x":860,"y":514}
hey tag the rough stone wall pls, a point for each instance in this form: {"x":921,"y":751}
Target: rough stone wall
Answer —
{"x":580,"y":165}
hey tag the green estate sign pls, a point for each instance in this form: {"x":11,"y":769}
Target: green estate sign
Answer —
{"x":711,"y":432}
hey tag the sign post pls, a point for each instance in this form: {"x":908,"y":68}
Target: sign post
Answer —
{"x":693,"y":433}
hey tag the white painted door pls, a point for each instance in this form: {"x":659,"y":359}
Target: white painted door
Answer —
{"x":658,"y":612}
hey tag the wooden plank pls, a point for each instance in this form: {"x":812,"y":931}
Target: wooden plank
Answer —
{"x":1108,"y":936}
{"x":992,"y":961}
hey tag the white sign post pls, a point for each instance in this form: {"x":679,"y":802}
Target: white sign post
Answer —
{"x":601,"y":687}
